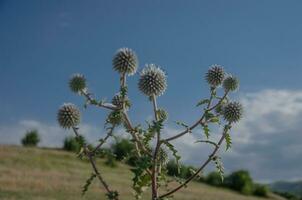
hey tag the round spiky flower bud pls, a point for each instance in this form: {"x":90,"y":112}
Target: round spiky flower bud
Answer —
{"x":115,"y":117}
{"x":69,"y":116}
{"x":152,"y":81}
{"x":117,"y":100}
{"x":232,"y":112}
{"x":125,"y":61}
{"x":230,"y":83}
{"x":219,"y":109}
{"x":215,"y":75}
{"x":162,"y":114}
{"x":77,"y":83}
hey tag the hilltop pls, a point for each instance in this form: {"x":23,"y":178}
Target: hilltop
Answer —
{"x":290,"y":187}
{"x":51,"y":174}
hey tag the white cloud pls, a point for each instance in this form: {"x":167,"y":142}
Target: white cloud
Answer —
{"x":267,"y":141}
{"x":51,"y":134}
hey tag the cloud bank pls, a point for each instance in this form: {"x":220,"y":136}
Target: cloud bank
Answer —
{"x":267,"y":142}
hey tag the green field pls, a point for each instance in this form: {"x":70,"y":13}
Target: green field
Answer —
{"x":36,"y":174}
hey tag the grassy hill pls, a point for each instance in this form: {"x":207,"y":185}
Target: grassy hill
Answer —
{"x":48,"y":174}
{"x":291,"y":187}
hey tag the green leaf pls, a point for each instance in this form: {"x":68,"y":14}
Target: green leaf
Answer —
{"x":219,"y":166}
{"x":208,"y":115}
{"x":141,"y":180}
{"x":214,"y":120}
{"x":123,"y":91}
{"x":184,"y":125}
{"x":87,"y":184}
{"x":174,"y":153}
{"x":203,"y":101}
{"x":228,"y":141}
{"x":94,"y":102}
{"x":112,"y":195}
{"x":206,"y":130}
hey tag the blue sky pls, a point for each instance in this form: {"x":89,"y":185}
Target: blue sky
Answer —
{"x":43,"y":42}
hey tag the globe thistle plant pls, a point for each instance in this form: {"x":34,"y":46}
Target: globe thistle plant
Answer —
{"x":77,"y":83}
{"x":152,"y":81}
{"x":68,"y":116}
{"x":215,"y":75}
{"x":230,"y":83}
{"x":150,"y":145}
{"x":232,"y":112}
{"x":125,"y":61}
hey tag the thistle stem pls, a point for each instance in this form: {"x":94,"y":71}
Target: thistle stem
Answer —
{"x":208,"y":108}
{"x":92,"y":101}
{"x":137,"y":142}
{"x":93,"y":164}
{"x":211,"y":156}
{"x":103,"y":140}
{"x":155,"y":155}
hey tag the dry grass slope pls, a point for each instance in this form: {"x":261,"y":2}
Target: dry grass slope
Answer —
{"x":44,"y":174}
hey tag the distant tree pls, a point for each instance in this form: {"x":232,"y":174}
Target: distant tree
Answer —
{"x":110,"y":160}
{"x":260,"y":190}
{"x":71,"y":144}
{"x":122,"y":148}
{"x":31,"y":138}
{"x":214,"y":179}
{"x":240,"y":181}
{"x":172,"y":168}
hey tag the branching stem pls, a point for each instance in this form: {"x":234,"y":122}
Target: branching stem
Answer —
{"x":93,"y":164}
{"x":208,"y":108}
{"x":155,"y":155}
{"x":211,"y":156}
{"x":103,"y":140}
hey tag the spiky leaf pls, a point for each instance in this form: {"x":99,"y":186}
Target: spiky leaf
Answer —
{"x":87,"y":184}
{"x":203,"y":101}
{"x":174,"y":153}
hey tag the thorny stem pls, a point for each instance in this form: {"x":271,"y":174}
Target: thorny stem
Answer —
{"x":102,"y":141}
{"x":138,"y":145}
{"x":208,"y":141}
{"x":137,"y":142}
{"x":92,"y":101}
{"x":208,"y":108}
{"x":93,"y":164}
{"x":211,"y":156}
{"x":154,"y":159}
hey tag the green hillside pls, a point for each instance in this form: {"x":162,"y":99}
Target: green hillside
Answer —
{"x":290,"y":187}
{"x":48,"y":174}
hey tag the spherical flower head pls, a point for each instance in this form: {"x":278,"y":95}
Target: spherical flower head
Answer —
{"x":215,"y":75}
{"x":117,"y":100}
{"x":152,"y":81}
{"x":232,"y":112}
{"x":125,"y":61}
{"x":77,"y":83}
{"x":68,"y":116}
{"x":230,"y":83}
{"x":162,"y":114}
